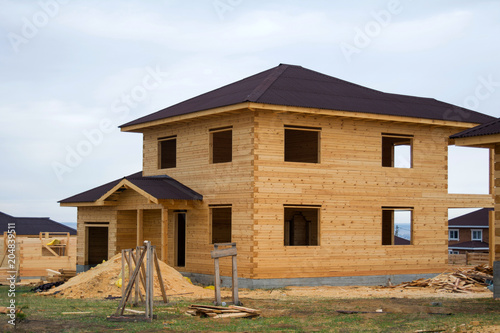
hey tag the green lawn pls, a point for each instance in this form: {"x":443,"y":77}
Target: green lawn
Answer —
{"x":44,"y":314}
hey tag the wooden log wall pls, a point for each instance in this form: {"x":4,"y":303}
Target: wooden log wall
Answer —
{"x":351,"y":186}
{"x":33,"y":262}
{"x":221,"y":184}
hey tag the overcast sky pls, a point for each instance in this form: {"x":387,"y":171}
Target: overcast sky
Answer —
{"x":72,"y":71}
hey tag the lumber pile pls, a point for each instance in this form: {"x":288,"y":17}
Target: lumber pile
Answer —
{"x":460,"y":281}
{"x":217,"y":312}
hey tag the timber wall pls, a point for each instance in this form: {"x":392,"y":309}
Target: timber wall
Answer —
{"x":33,"y":260}
{"x":351,"y":187}
{"x":220,"y":184}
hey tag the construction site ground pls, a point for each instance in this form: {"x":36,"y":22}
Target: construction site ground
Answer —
{"x":443,"y":304}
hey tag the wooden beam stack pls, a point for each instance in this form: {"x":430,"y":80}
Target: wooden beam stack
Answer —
{"x":461,"y":281}
{"x":217,"y":312}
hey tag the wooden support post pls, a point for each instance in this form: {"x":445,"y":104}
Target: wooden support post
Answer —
{"x":124,"y":253}
{"x":164,"y":235}
{"x":149,"y":281}
{"x":140,"y":229}
{"x":491,"y":237}
{"x":236,"y":300}
{"x":218,"y":300}
{"x":220,"y":253}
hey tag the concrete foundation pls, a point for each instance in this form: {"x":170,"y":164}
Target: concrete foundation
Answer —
{"x":372,"y":280}
{"x":83,"y":268}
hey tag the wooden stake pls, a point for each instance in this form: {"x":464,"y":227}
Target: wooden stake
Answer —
{"x":124,"y":252}
{"x":160,"y":278}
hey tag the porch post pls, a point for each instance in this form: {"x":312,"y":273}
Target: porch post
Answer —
{"x":495,"y":233}
{"x":164,"y":235}
{"x":140,"y":219}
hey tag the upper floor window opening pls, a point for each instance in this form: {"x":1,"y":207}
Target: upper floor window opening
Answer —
{"x":397,"y":150}
{"x":221,"y":145}
{"x":302,"y":144}
{"x":167,"y":152}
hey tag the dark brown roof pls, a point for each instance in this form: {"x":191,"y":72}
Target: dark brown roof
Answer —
{"x":401,"y":241}
{"x":474,"y":245}
{"x":291,"y":85}
{"x":160,"y":187}
{"x":480,"y":130}
{"x":32,"y":225}
{"x":478,"y":218}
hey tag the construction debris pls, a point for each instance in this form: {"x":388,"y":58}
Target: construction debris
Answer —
{"x":46,"y":286}
{"x":61,"y":275}
{"x":217,"y":312}
{"x":460,"y":281}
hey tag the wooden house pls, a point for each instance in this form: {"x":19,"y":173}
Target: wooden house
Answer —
{"x":40,"y":244}
{"x":310,"y":175}
{"x":469,"y":232}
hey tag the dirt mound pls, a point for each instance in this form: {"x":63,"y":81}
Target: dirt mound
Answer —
{"x":100,"y":282}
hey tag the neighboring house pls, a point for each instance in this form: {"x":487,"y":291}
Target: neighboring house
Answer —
{"x":33,"y":254}
{"x":308,"y":174}
{"x":469,"y":232}
{"x":25,"y":226}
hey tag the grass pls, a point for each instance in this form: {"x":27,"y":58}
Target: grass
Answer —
{"x":43,"y":314}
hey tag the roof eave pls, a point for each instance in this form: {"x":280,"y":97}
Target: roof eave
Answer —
{"x":138,"y":128}
{"x":477,"y":141}
{"x":297,"y":109}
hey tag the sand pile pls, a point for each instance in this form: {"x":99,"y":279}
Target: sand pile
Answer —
{"x":100,"y":282}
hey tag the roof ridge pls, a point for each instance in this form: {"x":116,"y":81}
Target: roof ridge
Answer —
{"x":267,"y":82}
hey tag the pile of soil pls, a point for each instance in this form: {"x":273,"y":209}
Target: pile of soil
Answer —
{"x":101,"y":282}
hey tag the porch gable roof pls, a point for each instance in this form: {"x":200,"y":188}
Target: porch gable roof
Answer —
{"x":154,"y":188}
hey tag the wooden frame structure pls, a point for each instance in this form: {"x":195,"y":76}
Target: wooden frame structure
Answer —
{"x":221,"y":253}
{"x":144,"y":256}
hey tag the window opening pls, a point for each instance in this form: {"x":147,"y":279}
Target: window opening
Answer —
{"x":397,"y":226}
{"x":221,"y":144}
{"x":302,"y":145}
{"x":168,"y":152}
{"x":477,"y":235}
{"x":453,"y":234}
{"x":301,"y":226}
{"x":221,"y":224}
{"x":397,"y":150}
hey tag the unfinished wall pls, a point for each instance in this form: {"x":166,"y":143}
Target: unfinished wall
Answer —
{"x":350,"y":186}
{"x":229,"y":183}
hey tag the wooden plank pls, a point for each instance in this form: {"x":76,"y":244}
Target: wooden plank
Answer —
{"x":235,"y":280}
{"x":218,"y":300}
{"x":219,"y":253}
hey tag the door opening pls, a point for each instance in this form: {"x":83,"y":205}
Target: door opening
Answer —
{"x":97,"y":245}
{"x":180,"y":239}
